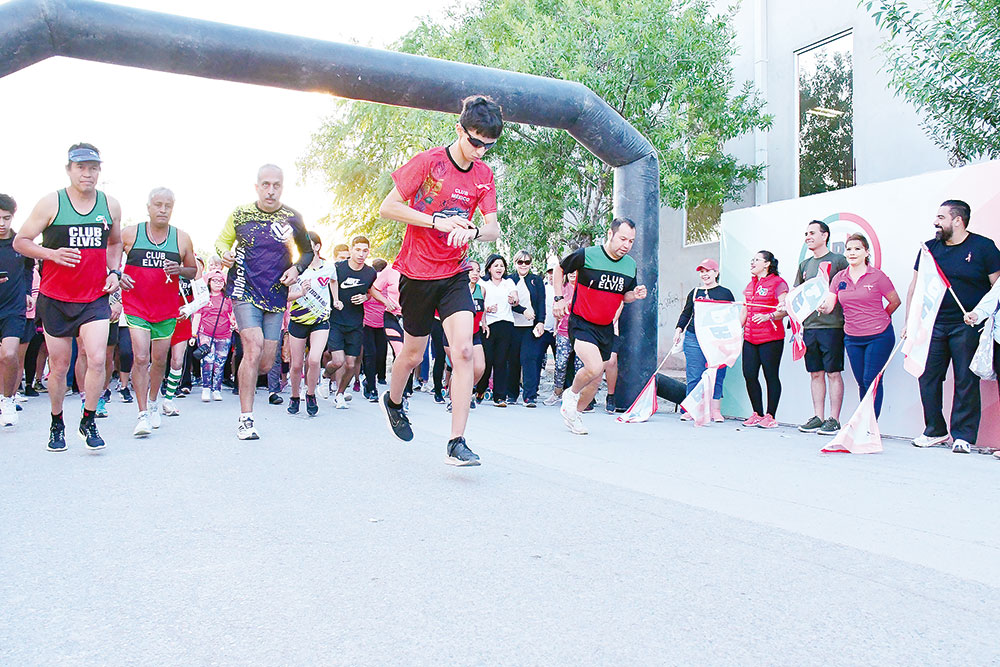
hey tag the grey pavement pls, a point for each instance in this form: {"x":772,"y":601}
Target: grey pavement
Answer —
{"x":329,"y":542}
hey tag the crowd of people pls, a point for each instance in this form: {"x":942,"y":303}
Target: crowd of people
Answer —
{"x":90,"y":301}
{"x":84,"y":301}
{"x":856,"y":318}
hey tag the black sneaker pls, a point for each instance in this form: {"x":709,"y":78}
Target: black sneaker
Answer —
{"x":830,"y":427}
{"x":372,"y":397}
{"x":57,"y":438}
{"x":312,"y":408}
{"x":609,"y":404}
{"x":89,"y":435}
{"x":396,"y":419}
{"x":530,"y":404}
{"x":590,"y":408}
{"x":459,"y":453}
{"x":438,"y":397}
{"x":31,"y":392}
{"x":813,"y":425}
{"x":293,"y":406}
{"x":106,"y":395}
{"x":126,"y":395}
{"x":274,"y":399}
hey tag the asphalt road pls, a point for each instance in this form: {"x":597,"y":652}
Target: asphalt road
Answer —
{"x":329,"y":542}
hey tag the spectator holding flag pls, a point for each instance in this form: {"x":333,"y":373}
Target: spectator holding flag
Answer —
{"x":971,"y":263}
{"x":763,"y":336}
{"x":987,"y":307}
{"x":823,"y":335}
{"x":868,"y":299}
{"x":710,"y":289}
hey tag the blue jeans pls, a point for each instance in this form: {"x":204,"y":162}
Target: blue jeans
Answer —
{"x":868,"y":355}
{"x":695,"y":365}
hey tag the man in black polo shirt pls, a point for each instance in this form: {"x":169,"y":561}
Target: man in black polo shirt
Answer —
{"x":15,"y":284}
{"x":971,"y":263}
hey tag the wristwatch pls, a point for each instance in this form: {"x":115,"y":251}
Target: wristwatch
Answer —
{"x":116,"y":272}
{"x":558,"y":298}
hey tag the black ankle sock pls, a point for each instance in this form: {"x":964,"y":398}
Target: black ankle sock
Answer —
{"x":88,"y":414}
{"x":393,"y":404}
{"x":57,"y":419}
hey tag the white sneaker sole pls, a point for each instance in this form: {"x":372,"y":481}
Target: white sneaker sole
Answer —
{"x":251,"y":435}
{"x":141,"y":432}
{"x":930,"y":443}
{"x":452,"y":461}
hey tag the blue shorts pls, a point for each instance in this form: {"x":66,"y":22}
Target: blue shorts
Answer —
{"x":249,"y":316}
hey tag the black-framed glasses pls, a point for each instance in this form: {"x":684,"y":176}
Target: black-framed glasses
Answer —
{"x":523,"y":262}
{"x":478,"y":143}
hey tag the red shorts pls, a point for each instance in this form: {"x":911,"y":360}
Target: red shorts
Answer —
{"x":182,"y":332}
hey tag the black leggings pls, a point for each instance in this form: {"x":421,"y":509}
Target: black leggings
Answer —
{"x":437,"y":349}
{"x":125,"y":356}
{"x":31,"y":358}
{"x":768,"y":356}
{"x":496,"y":346}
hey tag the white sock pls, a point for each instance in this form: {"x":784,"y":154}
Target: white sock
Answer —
{"x":246,"y":415}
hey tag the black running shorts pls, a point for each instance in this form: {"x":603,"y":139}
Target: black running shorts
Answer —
{"x":603,"y":336}
{"x":420,"y":298}
{"x":63,"y":319}
{"x":344,"y":338}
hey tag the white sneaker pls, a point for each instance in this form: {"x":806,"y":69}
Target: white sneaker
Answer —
{"x":20,"y":398}
{"x":142,"y":427}
{"x":168,"y":408}
{"x":216,"y":395}
{"x":575,"y":424}
{"x":929,"y":440}
{"x":340,"y":403}
{"x":323,"y":389}
{"x":206,"y":395}
{"x":153,"y":412}
{"x":246,"y":430}
{"x":569,"y":404}
{"x":8,"y":411}
{"x":551,"y":400}
{"x":961,"y":446}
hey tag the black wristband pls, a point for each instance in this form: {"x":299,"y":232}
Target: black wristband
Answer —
{"x":558,"y":298}
{"x":116,"y":272}
{"x":478,"y":230}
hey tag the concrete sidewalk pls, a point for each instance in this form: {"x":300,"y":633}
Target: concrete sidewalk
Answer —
{"x":327,"y":541}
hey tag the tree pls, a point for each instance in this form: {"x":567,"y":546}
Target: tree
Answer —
{"x":945,"y":60}
{"x":826,"y":124}
{"x":663,"y":64}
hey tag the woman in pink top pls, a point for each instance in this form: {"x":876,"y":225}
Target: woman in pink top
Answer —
{"x":564,"y":347}
{"x":763,"y":336}
{"x":215,"y":327}
{"x":868,"y":299}
{"x":374,"y":345}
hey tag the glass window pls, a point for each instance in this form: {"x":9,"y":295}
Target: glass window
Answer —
{"x":826,"y":118}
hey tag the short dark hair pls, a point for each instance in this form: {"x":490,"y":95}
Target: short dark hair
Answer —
{"x":8,"y":204}
{"x":315,"y":238}
{"x":482,"y":114}
{"x":618,"y":222}
{"x":860,"y":238}
{"x":379,"y":264}
{"x":825,"y":228}
{"x":340,"y":247}
{"x":82,"y":144}
{"x":958,"y":209}
{"x":772,"y":269}
{"x":360,"y":239}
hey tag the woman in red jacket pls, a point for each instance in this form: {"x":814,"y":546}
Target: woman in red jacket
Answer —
{"x":763,"y":336}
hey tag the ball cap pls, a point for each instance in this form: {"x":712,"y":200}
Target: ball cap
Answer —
{"x":84,"y":155}
{"x":710,"y":264}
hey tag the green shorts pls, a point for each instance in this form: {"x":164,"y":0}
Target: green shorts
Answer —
{"x":157,"y":330}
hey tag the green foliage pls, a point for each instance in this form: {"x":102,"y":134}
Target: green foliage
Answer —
{"x":663,"y":64}
{"x":945,"y":60}
{"x":826,"y":123}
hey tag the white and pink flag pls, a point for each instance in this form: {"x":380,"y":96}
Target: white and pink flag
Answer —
{"x":698,"y":403}
{"x":719,"y":330}
{"x":803,"y":301}
{"x":928,"y":293}
{"x":860,"y":435}
{"x":644,"y":406}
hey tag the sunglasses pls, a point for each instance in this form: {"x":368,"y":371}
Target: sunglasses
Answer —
{"x":523,"y":262}
{"x":477,"y":143}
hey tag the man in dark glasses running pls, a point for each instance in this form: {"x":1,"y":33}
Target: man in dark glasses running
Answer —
{"x":436,"y":194}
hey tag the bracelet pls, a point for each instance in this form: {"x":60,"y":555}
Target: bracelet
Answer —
{"x":116,"y":272}
{"x":478,"y":229}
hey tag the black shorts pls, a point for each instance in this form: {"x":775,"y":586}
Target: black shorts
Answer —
{"x":603,"y":336}
{"x":824,"y":350}
{"x":420,"y":298}
{"x":12,"y":326}
{"x":30,"y":329}
{"x":393,"y":328}
{"x":616,"y":346}
{"x":113,"y":333}
{"x":346,"y":339}
{"x":303,"y":331}
{"x":63,"y":319}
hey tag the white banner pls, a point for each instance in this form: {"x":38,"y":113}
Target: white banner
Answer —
{"x":719,"y":331}
{"x":927,"y":296}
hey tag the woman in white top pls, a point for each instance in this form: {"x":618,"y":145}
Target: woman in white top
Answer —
{"x":986,"y":307}
{"x":499,"y":295}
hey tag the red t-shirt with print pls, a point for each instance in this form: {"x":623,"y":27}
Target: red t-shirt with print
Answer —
{"x":761,"y":296}
{"x":432,"y":183}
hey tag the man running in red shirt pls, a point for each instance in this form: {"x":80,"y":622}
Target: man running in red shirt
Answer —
{"x":81,"y":251}
{"x":436,"y":194}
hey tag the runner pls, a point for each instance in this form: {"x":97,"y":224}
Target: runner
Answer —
{"x":15,"y":286}
{"x":388,"y":283}
{"x":312,"y":299}
{"x":355,"y":280}
{"x":157,"y":254}
{"x":478,"y":355}
{"x":436,"y":194}
{"x":182,"y":341}
{"x":257,"y":243}
{"x":81,"y":253}
{"x":374,"y":345}
{"x":606,"y":278}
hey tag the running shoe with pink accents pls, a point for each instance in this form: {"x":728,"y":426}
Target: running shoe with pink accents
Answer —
{"x":767,"y":421}
{"x":753,"y":421}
